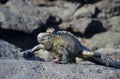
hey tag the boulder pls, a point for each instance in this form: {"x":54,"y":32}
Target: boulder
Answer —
{"x":111,"y":24}
{"x":102,"y":40}
{"x":114,"y":24}
{"x":9,"y":51}
{"x":22,"y":17}
{"x":27,"y":18}
{"x":77,"y":25}
{"x":64,"y":10}
{"x":85,"y":11}
{"x":108,"y":8}
{"x":85,"y":26}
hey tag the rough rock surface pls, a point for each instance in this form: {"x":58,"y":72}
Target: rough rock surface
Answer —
{"x":102,"y":40}
{"x":108,"y":8}
{"x":8,"y":51}
{"x":11,"y":69}
{"x":90,"y":20}
{"x":85,"y":26}
{"x":85,"y":11}
{"x":77,"y":25}
{"x":21,"y":17}
{"x":114,"y":24}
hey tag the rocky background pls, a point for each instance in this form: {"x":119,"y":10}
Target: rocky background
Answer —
{"x":96,"y":23}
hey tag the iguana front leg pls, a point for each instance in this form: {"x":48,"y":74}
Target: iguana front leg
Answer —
{"x":30,"y":53}
{"x":38,"y":47}
{"x":57,"y":52}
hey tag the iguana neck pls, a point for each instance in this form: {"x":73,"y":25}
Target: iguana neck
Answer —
{"x":49,"y":44}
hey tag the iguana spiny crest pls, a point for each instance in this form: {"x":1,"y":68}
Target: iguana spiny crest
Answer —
{"x":51,"y":31}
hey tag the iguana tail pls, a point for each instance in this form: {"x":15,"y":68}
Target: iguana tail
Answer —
{"x":106,"y":61}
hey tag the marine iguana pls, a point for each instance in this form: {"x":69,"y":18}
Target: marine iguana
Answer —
{"x":65,"y":47}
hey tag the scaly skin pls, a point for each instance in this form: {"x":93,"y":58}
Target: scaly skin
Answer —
{"x":65,"y":47}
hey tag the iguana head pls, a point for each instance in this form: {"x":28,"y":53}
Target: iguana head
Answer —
{"x":45,"y":37}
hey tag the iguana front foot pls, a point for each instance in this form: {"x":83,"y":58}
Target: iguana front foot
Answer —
{"x":28,"y":53}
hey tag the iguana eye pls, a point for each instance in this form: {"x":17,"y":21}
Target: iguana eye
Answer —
{"x":49,"y":37}
{"x":46,"y":38}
